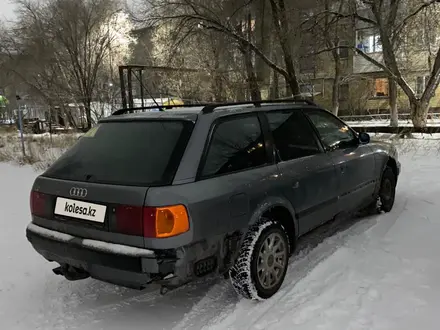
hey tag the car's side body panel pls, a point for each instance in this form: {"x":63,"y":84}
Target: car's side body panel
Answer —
{"x":356,"y":168}
{"x":218,"y":205}
{"x":310,"y":183}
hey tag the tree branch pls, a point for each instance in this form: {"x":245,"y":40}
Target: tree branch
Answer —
{"x":217,"y":26}
{"x":433,"y":81}
{"x":405,"y":21}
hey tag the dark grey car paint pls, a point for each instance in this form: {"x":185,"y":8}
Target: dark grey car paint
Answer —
{"x":355,"y":168}
{"x":212,"y":203}
{"x":310,"y":184}
{"x":103,"y":194}
{"x":312,"y":189}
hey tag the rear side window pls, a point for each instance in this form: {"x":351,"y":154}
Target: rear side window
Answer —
{"x":293,"y":136}
{"x":138,"y":153}
{"x":236,"y":144}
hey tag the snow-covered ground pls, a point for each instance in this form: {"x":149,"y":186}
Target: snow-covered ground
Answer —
{"x":386,"y":122}
{"x":381,"y":272}
{"x":41,"y":149}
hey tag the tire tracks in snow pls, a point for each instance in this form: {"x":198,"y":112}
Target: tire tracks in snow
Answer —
{"x":325,"y":242}
{"x":220,"y":298}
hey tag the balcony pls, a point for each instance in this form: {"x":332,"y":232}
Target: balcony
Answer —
{"x":361,"y":65}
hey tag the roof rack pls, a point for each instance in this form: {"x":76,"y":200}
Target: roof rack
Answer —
{"x":160,"y":107}
{"x":211,"y":107}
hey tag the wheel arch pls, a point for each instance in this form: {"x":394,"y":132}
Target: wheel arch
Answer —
{"x":385,"y":162}
{"x":280,"y":210}
{"x":391,"y":162}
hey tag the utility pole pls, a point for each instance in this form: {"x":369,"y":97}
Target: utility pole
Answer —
{"x":20,"y":123}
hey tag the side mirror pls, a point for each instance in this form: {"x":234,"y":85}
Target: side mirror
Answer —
{"x":364,"y":138}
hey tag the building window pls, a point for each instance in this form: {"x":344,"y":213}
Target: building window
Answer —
{"x":344,"y":90}
{"x":307,"y":65}
{"x":381,"y":88}
{"x":369,"y":41}
{"x":343,"y":52}
{"x":421,"y":83}
{"x":311,"y":89}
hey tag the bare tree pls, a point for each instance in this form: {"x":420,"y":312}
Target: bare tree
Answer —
{"x":391,"y":19}
{"x":197,"y":60}
{"x":225,"y":61}
{"x":329,"y":33}
{"x":229,"y":18}
{"x":68,"y":42}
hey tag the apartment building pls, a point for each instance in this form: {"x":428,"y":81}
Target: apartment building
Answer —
{"x":364,"y":87}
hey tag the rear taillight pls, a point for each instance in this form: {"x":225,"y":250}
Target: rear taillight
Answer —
{"x":162,"y":222}
{"x":153,"y":222}
{"x":38,"y":203}
{"x":129,"y":220}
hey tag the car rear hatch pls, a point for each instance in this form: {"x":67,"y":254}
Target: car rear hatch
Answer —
{"x":98,"y":187}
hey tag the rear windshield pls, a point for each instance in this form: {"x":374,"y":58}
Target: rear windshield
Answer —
{"x":138,"y":153}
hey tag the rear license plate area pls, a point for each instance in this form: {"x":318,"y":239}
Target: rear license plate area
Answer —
{"x":80,"y":210}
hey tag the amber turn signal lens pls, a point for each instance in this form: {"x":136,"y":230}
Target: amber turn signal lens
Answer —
{"x":171,"y":221}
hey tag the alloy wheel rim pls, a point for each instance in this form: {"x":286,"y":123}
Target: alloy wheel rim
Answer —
{"x":272,"y":259}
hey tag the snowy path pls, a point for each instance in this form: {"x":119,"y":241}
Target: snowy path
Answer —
{"x":381,"y":272}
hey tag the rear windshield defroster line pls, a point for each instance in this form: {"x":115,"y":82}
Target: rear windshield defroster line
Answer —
{"x":133,"y":153}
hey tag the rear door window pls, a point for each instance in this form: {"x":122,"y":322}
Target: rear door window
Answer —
{"x":138,"y":153}
{"x":237,"y":144}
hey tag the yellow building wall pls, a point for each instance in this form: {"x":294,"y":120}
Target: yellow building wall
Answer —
{"x":402,"y":100}
{"x":360,"y":99}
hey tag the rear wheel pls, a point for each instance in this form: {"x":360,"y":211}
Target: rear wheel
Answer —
{"x":261,"y":266}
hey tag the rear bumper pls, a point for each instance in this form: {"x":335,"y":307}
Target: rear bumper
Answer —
{"x":114,"y":263}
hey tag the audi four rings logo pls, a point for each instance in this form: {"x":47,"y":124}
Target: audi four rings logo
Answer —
{"x":78,"y":192}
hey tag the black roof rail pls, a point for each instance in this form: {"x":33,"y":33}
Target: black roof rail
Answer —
{"x":160,"y":107}
{"x":211,"y":107}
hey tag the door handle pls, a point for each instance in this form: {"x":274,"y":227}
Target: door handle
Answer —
{"x":343,"y":168}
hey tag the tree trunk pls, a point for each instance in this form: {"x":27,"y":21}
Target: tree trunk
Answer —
{"x":70,"y":121}
{"x":419,"y":113}
{"x":336,"y":87}
{"x":332,"y":41}
{"x":251,"y":75}
{"x":262,"y":30}
{"x":335,"y":97}
{"x":253,"y":86}
{"x":274,"y":88}
{"x":88,"y":110}
{"x":281,"y":25}
{"x":394,"y":120}
{"x":218,"y":87}
{"x":217,"y":81}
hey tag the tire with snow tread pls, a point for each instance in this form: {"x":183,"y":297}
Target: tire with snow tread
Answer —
{"x":386,"y":203}
{"x":387,"y":192}
{"x":244,"y":274}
